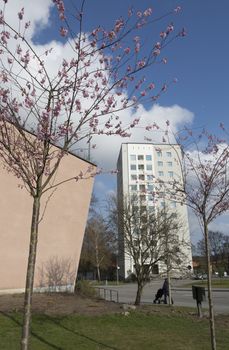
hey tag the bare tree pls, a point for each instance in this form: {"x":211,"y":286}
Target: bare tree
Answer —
{"x":97,"y":250}
{"x":218,"y":250}
{"x":82,"y":98}
{"x":149,"y":238}
{"x":206,"y":190}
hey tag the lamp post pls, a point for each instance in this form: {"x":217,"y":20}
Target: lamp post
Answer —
{"x":117,"y":274}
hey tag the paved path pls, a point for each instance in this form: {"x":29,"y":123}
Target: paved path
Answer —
{"x":181,"y":296}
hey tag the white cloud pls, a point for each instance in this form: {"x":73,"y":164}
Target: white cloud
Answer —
{"x":37,"y":12}
{"x":221,"y":224}
{"x":107,"y":147}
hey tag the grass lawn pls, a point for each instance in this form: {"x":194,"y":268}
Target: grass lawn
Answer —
{"x":216,"y":283}
{"x":138,"y":330}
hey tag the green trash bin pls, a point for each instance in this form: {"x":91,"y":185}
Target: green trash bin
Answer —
{"x":198,"y":294}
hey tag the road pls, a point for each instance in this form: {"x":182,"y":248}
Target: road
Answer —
{"x":181,"y":296}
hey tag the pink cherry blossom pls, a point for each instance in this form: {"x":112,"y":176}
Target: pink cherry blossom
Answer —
{"x":183,"y":32}
{"x":137,"y":47}
{"x":163,"y":35}
{"x":1,"y":18}
{"x":27,"y":24}
{"x":119,"y":25}
{"x":63,"y":31}
{"x":148,"y":12}
{"x":177,"y":9}
{"x":151,"y":86}
{"x":141,"y":63}
{"x":156,"y":52}
{"x":21,"y":14}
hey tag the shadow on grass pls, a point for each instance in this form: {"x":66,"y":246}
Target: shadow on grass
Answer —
{"x":53,"y":346}
{"x":80,"y":334}
{"x":32,"y":333}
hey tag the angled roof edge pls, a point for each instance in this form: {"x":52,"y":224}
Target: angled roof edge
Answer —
{"x":69,"y":152}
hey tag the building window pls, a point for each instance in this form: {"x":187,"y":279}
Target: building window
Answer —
{"x":150,"y":187}
{"x":150,"y":197}
{"x":160,"y":163}
{"x":142,"y":197}
{"x":133,"y":177}
{"x":150,"y":177}
{"x":170,"y":173}
{"x":148,"y":157}
{"x":160,"y":173}
{"x":169,"y":154}
{"x":132,"y":157}
{"x":159,"y":154}
{"x":173,"y":204}
{"x":149,"y":167}
{"x":133,"y":167}
{"x":142,"y":188}
{"x":140,"y":166}
{"x":140,"y":157}
{"x":133,"y":187}
{"x":170,"y":164}
{"x":162,"y":204}
{"x":141,"y":177}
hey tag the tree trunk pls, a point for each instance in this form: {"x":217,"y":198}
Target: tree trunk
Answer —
{"x":139,"y":294}
{"x":30,"y":274}
{"x":97,"y":259}
{"x":98,"y":273}
{"x":169,"y":288}
{"x":210,"y":302}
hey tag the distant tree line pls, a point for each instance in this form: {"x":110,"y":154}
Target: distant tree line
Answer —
{"x":219,"y":253}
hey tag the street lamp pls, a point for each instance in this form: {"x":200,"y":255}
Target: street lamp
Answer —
{"x":117,"y":273}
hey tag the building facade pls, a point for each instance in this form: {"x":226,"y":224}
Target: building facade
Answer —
{"x":61,"y":229}
{"x":142,"y":170}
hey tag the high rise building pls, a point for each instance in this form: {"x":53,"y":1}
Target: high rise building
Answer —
{"x":148,"y":170}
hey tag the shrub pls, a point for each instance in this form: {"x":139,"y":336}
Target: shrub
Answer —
{"x":85,"y":288}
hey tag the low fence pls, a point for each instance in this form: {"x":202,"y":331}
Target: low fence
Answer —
{"x":108,"y":294}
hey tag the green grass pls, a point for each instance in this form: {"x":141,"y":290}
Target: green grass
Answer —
{"x":118,"y":332}
{"x":216,"y":283}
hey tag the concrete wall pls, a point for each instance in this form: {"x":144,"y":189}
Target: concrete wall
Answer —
{"x":61,"y":230}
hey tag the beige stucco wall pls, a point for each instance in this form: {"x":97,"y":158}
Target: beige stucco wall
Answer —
{"x":61,"y":230}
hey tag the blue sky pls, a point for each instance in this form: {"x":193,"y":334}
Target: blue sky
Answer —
{"x":199,"y":62}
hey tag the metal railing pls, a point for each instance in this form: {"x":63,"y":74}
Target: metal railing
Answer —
{"x":108,"y":294}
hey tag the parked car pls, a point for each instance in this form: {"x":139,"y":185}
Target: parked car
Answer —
{"x":201,"y":276}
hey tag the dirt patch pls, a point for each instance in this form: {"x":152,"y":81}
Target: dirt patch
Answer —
{"x":59,"y":304}
{"x":66,"y":304}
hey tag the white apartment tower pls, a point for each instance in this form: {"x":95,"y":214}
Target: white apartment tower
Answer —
{"x":139,"y":166}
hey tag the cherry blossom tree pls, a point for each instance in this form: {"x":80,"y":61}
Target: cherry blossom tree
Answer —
{"x":205,"y":189}
{"x":44,"y":113}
